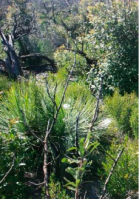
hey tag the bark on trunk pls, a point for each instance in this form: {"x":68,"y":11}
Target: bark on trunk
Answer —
{"x":77,"y":194}
{"x":12,"y":62}
{"x":45,"y":169}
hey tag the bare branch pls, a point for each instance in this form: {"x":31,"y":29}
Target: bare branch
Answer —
{"x":48,"y":131}
{"x":76,"y":132}
{"x":39,"y":184}
{"x":97,"y":105}
{"x":15,"y":26}
{"x":109,"y":155}
{"x":37,"y":55}
{"x":52,"y":97}
{"x":13,"y":68}
{"x":88,"y":60}
{"x":8,"y":171}
{"x":25,"y":123}
{"x":110,"y":174}
{"x":40,"y":56}
{"x":63,"y":96}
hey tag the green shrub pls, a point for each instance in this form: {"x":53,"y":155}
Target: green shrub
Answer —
{"x":26,"y":108}
{"x":125,"y":175}
{"x":65,"y":59}
{"x":120,"y":109}
{"x":79,"y":90}
{"x":5,"y":83}
{"x":78,"y":99}
{"x":56,"y":189}
{"x":28,"y":105}
{"x":14,"y":186}
{"x":134,"y":120}
{"x":115,"y":44}
{"x":25,"y":103}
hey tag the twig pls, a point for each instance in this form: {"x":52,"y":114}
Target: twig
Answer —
{"x":108,"y":154}
{"x":49,"y":163}
{"x":76,"y":132}
{"x":110,"y":174}
{"x":25,"y":123}
{"x":63,"y":97}
{"x":85,"y":195}
{"x":42,"y":183}
{"x":97,"y":105}
{"x":8,"y":171}
{"x":48,"y":131}
{"x":45,"y":163}
{"x":54,"y":96}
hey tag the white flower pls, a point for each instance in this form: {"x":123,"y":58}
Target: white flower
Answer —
{"x":21,"y":137}
{"x":66,"y":106}
{"x":105,"y":123}
{"x":22,"y":164}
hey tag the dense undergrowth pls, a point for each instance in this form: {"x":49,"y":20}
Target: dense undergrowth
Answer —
{"x":95,"y":116}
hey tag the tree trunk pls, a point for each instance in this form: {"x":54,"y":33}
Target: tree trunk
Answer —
{"x":45,"y":169}
{"x":12,"y":64}
{"x":77,"y":194}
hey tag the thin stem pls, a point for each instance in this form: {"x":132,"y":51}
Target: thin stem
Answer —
{"x":95,"y":117}
{"x":49,"y":130}
{"x":7,"y":173}
{"x":110,"y":174}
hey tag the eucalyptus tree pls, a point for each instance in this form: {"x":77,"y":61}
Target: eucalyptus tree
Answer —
{"x":18,"y":22}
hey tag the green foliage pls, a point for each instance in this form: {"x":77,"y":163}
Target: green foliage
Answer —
{"x":122,"y":109}
{"x":25,"y":105}
{"x":14,"y":186}
{"x":58,"y":78}
{"x":5,"y":83}
{"x":134,"y":120}
{"x":105,"y":40}
{"x":114,"y":34}
{"x":78,"y":99}
{"x":25,"y":111}
{"x":125,"y":176}
{"x":84,"y":149}
{"x":65,"y":58}
{"x":78,"y":90}
{"x":56,"y":190}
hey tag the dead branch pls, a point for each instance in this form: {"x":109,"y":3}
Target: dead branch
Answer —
{"x":8,"y":171}
{"x":48,"y":131}
{"x":88,"y":60}
{"x":52,"y":97}
{"x":42,"y":57}
{"x":76,"y":132}
{"x":27,"y":126}
{"x":95,"y":117}
{"x":107,"y":153}
{"x":36,"y":184}
{"x":13,"y":67}
{"x":45,"y":163}
{"x":63,"y":97}
{"x":110,"y":174}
